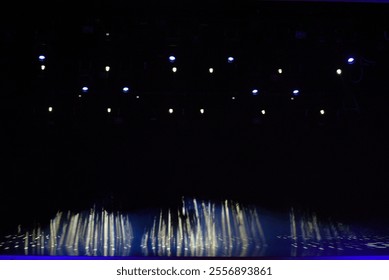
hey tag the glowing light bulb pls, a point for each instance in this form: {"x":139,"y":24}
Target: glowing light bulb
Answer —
{"x":174,"y":69}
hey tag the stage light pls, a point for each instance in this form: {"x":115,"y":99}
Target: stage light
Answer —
{"x":201,"y":111}
{"x":42,"y":58}
{"x":79,"y":96}
{"x":233,"y":98}
{"x":351,"y":60}
{"x":43,"y":67}
{"x":322,"y":112}
{"x":50,"y":109}
{"x":296,"y":92}
{"x":255,"y":92}
{"x":263,"y":112}
{"x":125,"y":89}
{"x":172,"y":58}
{"x":292,"y":98}
{"x":137,"y":97}
{"x":85,"y":89}
{"x":109,"y":110}
{"x":230,"y":59}
{"x":339,"y":71}
{"x":170,"y":111}
{"x":107,"y":68}
{"x":280,"y":71}
{"x":174,"y":69}
{"x":211,"y":70}
{"x":107,"y":34}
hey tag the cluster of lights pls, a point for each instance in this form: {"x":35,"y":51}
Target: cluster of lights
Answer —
{"x":202,"y":110}
{"x":42,"y":59}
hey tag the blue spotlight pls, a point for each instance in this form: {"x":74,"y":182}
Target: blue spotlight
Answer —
{"x":172,"y":58}
{"x":296,"y":92}
{"x":42,"y":58}
{"x":85,"y":89}
{"x":255,"y":92}
{"x":125,"y":89}
{"x":230,"y":59}
{"x":351,"y":60}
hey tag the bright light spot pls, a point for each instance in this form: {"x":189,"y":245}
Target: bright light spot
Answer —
{"x":109,"y":110}
{"x":79,"y":95}
{"x":280,"y":71}
{"x":125,"y":89}
{"x":339,"y":71}
{"x":42,"y":58}
{"x":263,"y":112}
{"x":351,"y":60}
{"x":292,"y":98}
{"x":255,"y":92}
{"x":107,"y":68}
{"x":201,"y":111}
{"x":172,"y":58}
{"x":233,"y":98}
{"x":107,"y":34}
{"x":174,"y":69}
{"x":43,"y":67}
{"x":230,"y":59}
{"x":322,"y":112}
{"x":137,"y":97}
{"x":170,"y":111}
{"x":50,"y":109}
{"x":85,"y":89}
{"x":296,"y":92}
{"x":211,"y":70}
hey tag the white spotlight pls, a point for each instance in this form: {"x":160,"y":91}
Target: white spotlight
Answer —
{"x":172,"y":58}
{"x":43,"y":67}
{"x":170,"y":111}
{"x":263,"y":112}
{"x":109,"y":110}
{"x":201,"y":111}
{"x":339,"y":71}
{"x":125,"y":89}
{"x":85,"y":89}
{"x":41,"y":58}
{"x":230,"y":59}
{"x":280,"y":71}
{"x":255,"y":92}
{"x":50,"y":109}
{"x":292,"y":98}
{"x":107,"y":68}
{"x":322,"y":112}
{"x":233,"y":98}
{"x":79,"y":96}
{"x":211,"y":70}
{"x":174,"y":69}
{"x":137,"y":97}
{"x":296,"y":92}
{"x":107,"y":34}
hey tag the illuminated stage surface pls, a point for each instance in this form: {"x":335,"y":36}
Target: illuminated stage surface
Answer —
{"x":196,"y":228}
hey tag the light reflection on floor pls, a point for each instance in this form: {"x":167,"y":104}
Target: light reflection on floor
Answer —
{"x":196,"y":228}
